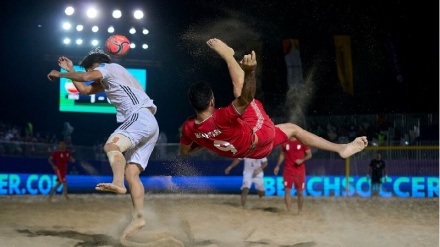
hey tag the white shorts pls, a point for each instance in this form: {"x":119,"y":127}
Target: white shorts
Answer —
{"x":142,"y":130}
{"x":248,"y":180}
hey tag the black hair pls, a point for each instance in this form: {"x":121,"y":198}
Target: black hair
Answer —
{"x":200,"y":94}
{"x":95,"y":56}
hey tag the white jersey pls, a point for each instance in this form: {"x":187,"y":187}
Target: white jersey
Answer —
{"x":251,"y":164}
{"x":123,"y":91}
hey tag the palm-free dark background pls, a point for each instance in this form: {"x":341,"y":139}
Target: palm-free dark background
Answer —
{"x":384,"y":34}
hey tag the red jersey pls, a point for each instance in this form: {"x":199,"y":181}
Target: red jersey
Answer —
{"x":229,"y":134}
{"x":294,"y":150}
{"x":61,"y":159}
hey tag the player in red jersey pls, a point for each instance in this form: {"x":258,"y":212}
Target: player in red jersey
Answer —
{"x":243,"y":129}
{"x":59,"y":160}
{"x":294,"y":173}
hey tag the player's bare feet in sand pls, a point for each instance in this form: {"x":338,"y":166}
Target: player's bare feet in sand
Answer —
{"x":137,"y":222}
{"x":221,"y":48}
{"x":353,"y":147}
{"x":116,"y":188}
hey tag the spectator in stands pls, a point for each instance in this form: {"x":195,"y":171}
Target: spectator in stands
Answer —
{"x":362,"y":130}
{"x":376,"y":172}
{"x":331,"y":133}
{"x":29,"y":130}
{"x":317,"y":129}
{"x":352,"y":133}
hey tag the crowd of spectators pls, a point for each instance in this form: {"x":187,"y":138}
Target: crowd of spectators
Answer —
{"x":380,"y":132}
{"x":24,"y":140}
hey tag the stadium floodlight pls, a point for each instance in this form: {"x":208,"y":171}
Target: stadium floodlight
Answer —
{"x":69,"y":10}
{"x":66,"y":41}
{"x":92,"y":13}
{"x":79,"y":28}
{"x":87,"y":21}
{"x":138,"y":14}
{"x":117,"y":14}
{"x":67,"y":25}
{"x":111,"y":29}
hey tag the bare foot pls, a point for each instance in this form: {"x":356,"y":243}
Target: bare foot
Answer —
{"x":235,"y":71}
{"x":353,"y":147}
{"x":137,"y":222}
{"x":221,"y":48}
{"x":111,"y":187}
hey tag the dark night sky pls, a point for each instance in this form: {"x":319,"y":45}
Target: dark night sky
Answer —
{"x":178,"y":30}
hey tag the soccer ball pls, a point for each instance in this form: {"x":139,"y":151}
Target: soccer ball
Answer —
{"x":117,"y":45}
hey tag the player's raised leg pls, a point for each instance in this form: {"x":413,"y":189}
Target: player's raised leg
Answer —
{"x":114,"y":147}
{"x":312,"y":140}
{"x":235,"y":71}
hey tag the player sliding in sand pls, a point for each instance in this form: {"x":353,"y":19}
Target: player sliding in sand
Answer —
{"x":129,"y":147}
{"x":243,"y":129}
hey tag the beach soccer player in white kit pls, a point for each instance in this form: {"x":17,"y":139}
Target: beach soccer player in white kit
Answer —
{"x":129,"y":147}
{"x":252,"y":174}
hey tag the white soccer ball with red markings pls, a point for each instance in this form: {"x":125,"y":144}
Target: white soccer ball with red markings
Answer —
{"x":117,"y":45}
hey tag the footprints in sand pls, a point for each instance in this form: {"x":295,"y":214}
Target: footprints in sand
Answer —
{"x":152,"y":239}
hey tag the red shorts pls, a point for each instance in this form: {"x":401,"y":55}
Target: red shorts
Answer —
{"x":61,"y":175}
{"x":268,"y":138}
{"x":268,"y":134}
{"x":297,"y":180}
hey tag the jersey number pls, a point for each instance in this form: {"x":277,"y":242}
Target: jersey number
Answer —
{"x":225,"y":146}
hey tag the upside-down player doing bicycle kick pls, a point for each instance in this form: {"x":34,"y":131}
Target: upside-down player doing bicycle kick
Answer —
{"x":243,"y":129}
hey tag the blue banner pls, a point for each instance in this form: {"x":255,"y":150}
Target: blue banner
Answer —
{"x":316,"y":186}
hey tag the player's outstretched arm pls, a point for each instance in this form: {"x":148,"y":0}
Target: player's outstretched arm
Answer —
{"x":248,"y":64}
{"x":78,"y":79}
